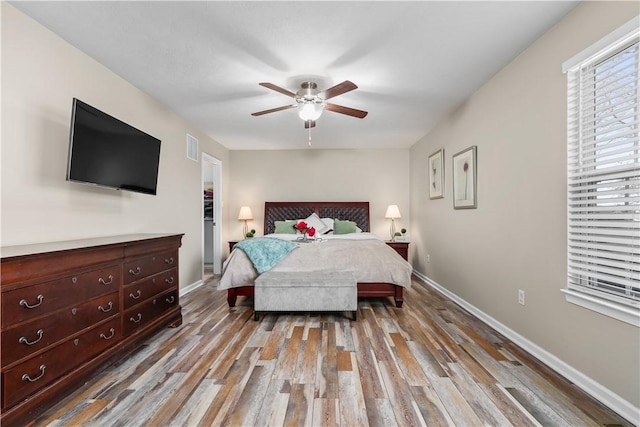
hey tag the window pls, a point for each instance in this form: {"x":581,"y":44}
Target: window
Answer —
{"x":603,"y":177}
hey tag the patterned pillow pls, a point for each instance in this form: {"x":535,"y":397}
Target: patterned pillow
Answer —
{"x":314,"y":221}
{"x":329,"y":223}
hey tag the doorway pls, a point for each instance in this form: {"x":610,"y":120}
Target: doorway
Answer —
{"x":212,"y":216}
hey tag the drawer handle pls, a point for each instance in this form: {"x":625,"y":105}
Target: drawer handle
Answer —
{"x":104,"y":337}
{"x":26,"y":377}
{"x":136,"y":296}
{"x":170,"y":300}
{"x":169,"y":280}
{"x":24,"y":303}
{"x":23,"y":340}
{"x":104,"y":310}
{"x":102,"y":282}
{"x":131,"y":319}
{"x":168,"y":260}
{"x":135,"y":272}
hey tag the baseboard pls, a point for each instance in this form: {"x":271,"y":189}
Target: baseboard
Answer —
{"x":186,"y":289}
{"x":594,"y":389}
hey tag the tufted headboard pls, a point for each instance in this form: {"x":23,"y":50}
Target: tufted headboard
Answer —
{"x":280,"y":211}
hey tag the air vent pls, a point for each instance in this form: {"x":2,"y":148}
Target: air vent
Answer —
{"x":192,"y":148}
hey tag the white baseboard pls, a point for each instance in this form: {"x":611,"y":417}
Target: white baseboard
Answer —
{"x":186,"y":289}
{"x":588,"y":385}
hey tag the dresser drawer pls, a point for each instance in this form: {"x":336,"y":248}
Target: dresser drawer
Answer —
{"x":24,"y":340}
{"x":148,"y":311}
{"x":146,"y":288}
{"x":32,"y":375}
{"x":147,"y":266}
{"x":33,"y":301}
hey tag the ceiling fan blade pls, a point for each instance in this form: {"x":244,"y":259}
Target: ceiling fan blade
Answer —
{"x":278,"y":89}
{"x":339,"y":89}
{"x":309,"y":124}
{"x":273,"y":110}
{"x":346,"y":110}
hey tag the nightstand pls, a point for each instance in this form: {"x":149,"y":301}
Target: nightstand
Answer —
{"x":232,"y":244}
{"x":401,"y":247}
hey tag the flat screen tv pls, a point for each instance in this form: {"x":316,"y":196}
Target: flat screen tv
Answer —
{"x":107,"y":152}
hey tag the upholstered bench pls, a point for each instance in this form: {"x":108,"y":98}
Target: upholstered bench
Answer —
{"x":305,"y":291}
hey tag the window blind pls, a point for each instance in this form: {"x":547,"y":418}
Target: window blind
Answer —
{"x":603,"y":172}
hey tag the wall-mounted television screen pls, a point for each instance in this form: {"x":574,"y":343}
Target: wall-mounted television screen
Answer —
{"x":107,"y":152}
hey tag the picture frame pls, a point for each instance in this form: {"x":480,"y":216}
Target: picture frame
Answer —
{"x":436,"y":175}
{"x":465,"y":178}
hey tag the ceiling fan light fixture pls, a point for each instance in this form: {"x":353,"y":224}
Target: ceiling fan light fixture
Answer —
{"x":310,"y":111}
{"x":311,"y":102}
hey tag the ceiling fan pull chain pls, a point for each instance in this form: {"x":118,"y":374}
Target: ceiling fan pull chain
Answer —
{"x":309,"y":137}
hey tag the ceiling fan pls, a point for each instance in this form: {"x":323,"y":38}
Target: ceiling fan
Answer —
{"x":311,"y":102}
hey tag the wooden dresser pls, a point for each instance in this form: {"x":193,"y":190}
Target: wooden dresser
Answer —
{"x":69,"y":309}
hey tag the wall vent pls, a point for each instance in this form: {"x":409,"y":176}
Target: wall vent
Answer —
{"x":192,"y":148}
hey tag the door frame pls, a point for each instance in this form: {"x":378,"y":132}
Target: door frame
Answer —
{"x":208,"y":160}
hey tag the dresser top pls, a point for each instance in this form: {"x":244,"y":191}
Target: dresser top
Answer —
{"x":40,"y":248}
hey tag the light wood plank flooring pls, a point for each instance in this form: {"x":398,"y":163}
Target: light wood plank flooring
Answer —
{"x":429,"y":363}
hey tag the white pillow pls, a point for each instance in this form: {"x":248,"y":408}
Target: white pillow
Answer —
{"x":314,"y":221}
{"x":329,"y":223}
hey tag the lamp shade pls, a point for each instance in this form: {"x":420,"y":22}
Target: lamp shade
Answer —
{"x":393,"y":212}
{"x":310,"y":111}
{"x":245,"y":213}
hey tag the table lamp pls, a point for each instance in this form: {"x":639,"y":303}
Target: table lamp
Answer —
{"x":245,"y":215}
{"x":393,"y":212}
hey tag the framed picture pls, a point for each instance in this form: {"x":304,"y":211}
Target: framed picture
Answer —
{"x":465,"y":179}
{"x":436,"y":175}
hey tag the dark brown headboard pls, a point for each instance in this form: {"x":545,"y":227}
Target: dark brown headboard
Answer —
{"x":280,"y":211}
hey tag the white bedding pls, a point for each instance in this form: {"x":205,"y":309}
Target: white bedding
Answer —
{"x":367,"y":256}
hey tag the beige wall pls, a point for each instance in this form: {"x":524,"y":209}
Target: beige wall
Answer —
{"x":41,"y":74}
{"x":516,"y":239}
{"x":380,"y":177}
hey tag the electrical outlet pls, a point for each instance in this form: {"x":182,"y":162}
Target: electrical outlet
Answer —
{"x":428,"y":258}
{"x":521,"y":297}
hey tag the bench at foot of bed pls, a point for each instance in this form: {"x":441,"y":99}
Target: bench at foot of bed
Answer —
{"x":305,"y":291}
{"x":376,"y":290}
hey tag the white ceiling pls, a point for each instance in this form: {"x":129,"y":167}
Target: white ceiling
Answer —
{"x":413,"y":61}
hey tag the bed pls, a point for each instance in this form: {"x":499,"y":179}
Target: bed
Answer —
{"x":379,"y":270}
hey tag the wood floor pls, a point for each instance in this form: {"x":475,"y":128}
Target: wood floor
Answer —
{"x":428,"y":363}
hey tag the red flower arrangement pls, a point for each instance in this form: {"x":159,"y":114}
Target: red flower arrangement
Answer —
{"x":304,"y":228}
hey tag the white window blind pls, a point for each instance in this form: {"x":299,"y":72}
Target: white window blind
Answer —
{"x":603,"y":173}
